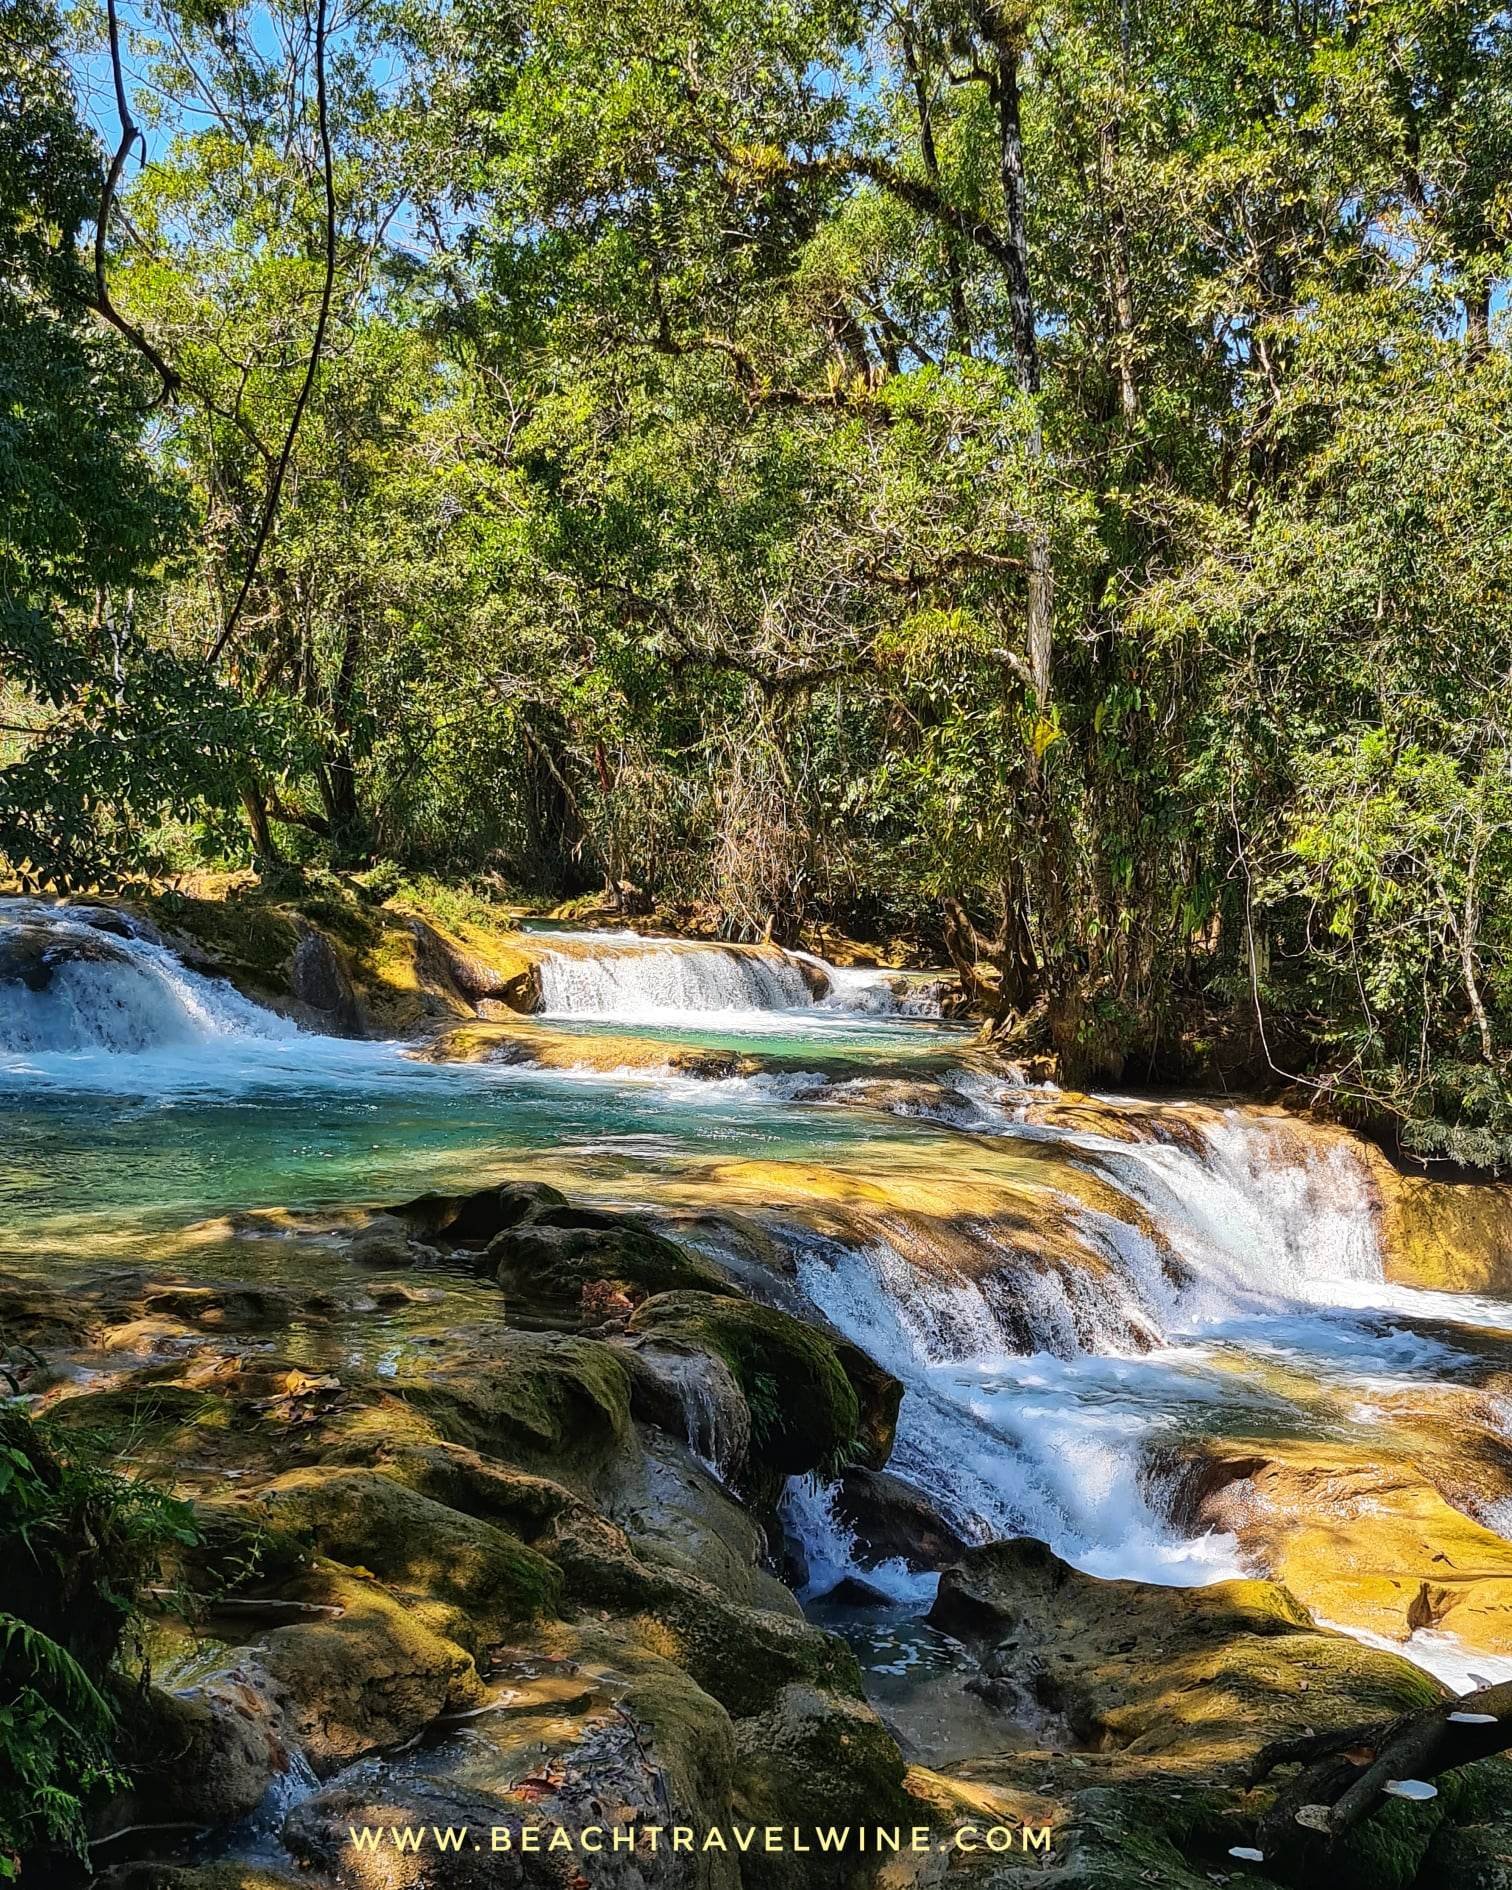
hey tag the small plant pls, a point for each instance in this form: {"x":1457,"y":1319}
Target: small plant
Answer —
{"x":79,"y":1543}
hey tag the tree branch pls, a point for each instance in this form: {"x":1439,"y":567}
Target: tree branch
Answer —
{"x":101,"y":302}
{"x":275,"y":484}
{"x":1346,"y":1774}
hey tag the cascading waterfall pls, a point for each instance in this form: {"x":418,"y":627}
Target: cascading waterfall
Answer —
{"x":653,"y":980}
{"x":75,"y":981}
{"x":1199,"y":1274}
{"x":1278,"y":1255}
{"x":626,"y":978}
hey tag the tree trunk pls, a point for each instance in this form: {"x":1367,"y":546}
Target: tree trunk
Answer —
{"x":1007,"y":47}
{"x":256,"y":807}
{"x":954,"y":275}
{"x":1119,"y":267}
{"x":1477,"y":299}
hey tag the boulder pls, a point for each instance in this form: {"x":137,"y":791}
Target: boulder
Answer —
{"x":893,"y":1520}
{"x":812,"y":1759}
{"x":368,"y":1674}
{"x":458,"y":1218}
{"x":1201,"y":1677}
{"x":806,"y":1414}
{"x":544,"y":1401}
{"x":367,"y":1519}
{"x":319,"y":1835}
{"x":554,"y":1256}
{"x":204,"y":1756}
{"x":693,"y":1394}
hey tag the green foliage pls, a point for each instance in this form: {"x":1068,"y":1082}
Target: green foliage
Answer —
{"x":114,"y":727}
{"x":673,"y":501}
{"x":79,"y":1542}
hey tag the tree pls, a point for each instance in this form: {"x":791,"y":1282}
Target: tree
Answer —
{"x":104,"y":729}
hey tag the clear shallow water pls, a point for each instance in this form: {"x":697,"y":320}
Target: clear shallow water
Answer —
{"x":136,"y":1099}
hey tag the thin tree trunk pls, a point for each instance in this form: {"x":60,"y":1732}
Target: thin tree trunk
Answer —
{"x":1477,"y":299}
{"x":1008,"y":50}
{"x":256,"y":806}
{"x":1118,"y":245}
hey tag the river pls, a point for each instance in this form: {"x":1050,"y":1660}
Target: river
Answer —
{"x":1077,"y":1295}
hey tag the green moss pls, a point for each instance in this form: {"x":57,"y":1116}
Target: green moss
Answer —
{"x":744,"y":1656}
{"x":253,"y":936}
{"x":805,"y":1415}
{"x":365,"y":1519}
{"x":563,"y":1250}
{"x":558,"y":1404}
{"x":814,"y":1760}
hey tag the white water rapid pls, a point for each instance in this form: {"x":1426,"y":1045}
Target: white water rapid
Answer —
{"x":75,"y":980}
{"x":1225,"y":1277}
{"x":1280,"y":1279}
{"x":626,"y":978}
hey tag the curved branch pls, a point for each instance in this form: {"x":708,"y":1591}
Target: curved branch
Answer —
{"x":275,"y":484}
{"x":101,"y":303}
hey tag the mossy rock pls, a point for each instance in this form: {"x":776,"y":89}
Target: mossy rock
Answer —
{"x":805,"y":1415}
{"x":191,"y":1756}
{"x":455,"y":1219}
{"x":1468,"y":1857}
{"x":1194,"y":1677}
{"x":369,"y":1520}
{"x":318,"y":1833}
{"x":809,"y":1760}
{"x":740,"y":1654}
{"x":557,"y":1404}
{"x":370,"y":1673}
{"x":250,"y":939}
{"x":553,"y":1257}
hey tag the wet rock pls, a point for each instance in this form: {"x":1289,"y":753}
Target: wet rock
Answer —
{"x":806,"y":1414}
{"x":241,"y":1307}
{"x":891,"y":1519}
{"x":878,"y":1395}
{"x":674,"y":1512}
{"x":318,"y":980}
{"x":693,"y":1394}
{"x":1363,"y":1539}
{"x":740,"y":1654}
{"x":33,"y":1314}
{"x":33,"y":951}
{"x":1200,"y":1676}
{"x":543,"y":1401}
{"x":368,"y":1674}
{"x":367,"y":1519}
{"x":478,"y":1216}
{"x":384,"y":1241}
{"x":562,"y":1251}
{"x":319,"y":1835}
{"x":812,"y":1759}
{"x":204,"y":1756}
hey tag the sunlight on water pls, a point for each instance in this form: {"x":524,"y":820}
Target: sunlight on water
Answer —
{"x":1230,"y":1282}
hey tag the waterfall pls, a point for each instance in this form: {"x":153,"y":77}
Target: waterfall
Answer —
{"x":1035,"y":1403}
{"x":635,"y":980}
{"x":76,"y":980}
{"x":662,"y":981}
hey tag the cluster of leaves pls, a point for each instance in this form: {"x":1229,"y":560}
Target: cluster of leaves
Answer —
{"x":79,"y":1543}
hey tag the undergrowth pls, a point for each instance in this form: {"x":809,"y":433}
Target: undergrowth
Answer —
{"x":79,"y":1543}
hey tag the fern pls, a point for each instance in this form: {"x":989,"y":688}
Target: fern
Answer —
{"x":79,"y":1542}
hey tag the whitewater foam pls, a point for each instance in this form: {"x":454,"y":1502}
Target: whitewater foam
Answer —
{"x":74,"y":988}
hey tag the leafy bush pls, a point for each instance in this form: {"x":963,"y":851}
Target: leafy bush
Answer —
{"x":79,"y":1542}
